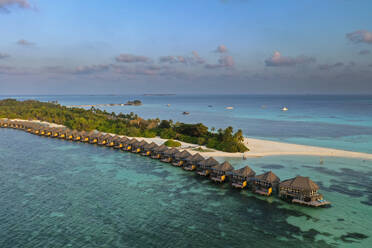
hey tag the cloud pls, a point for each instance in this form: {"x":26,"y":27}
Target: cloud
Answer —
{"x":6,"y":4}
{"x":364,"y":52}
{"x":221,"y":49}
{"x":278,"y":60}
{"x":129,"y":58}
{"x":4,"y":55}
{"x":327,"y":67}
{"x":11,"y":70}
{"x":360,"y":36}
{"x":23,"y":42}
{"x":223,"y":62}
{"x":91,"y":69}
{"x":189,"y":60}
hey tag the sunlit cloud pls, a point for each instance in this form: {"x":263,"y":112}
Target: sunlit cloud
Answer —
{"x":360,"y":36}
{"x":221,"y":49}
{"x":6,"y":5}
{"x":278,"y":60}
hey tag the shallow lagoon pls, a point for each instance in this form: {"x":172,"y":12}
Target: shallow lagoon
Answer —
{"x":57,"y":193}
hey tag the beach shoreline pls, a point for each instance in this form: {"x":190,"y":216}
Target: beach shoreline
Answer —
{"x":257,"y":148}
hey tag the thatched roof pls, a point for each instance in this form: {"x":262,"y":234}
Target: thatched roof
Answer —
{"x":210,"y":162}
{"x":244,"y":172}
{"x":196,"y":158}
{"x":161,"y":148}
{"x":225,"y":166}
{"x":171,"y":151}
{"x":132,"y":141}
{"x":268,"y":177}
{"x":142,"y":143}
{"x":182,"y":155}
{"x":300,"y":183}
{"x":106,"y":137}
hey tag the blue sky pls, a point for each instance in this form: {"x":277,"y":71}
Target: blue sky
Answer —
{"x":209,"y":46}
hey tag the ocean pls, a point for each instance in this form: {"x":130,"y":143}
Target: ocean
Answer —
{"x":57,"y":193}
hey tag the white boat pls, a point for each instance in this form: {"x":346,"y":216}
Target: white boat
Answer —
{"x":285,"y":109}
{"x":229,"y":108}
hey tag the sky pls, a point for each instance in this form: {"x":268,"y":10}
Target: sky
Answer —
{"x":190,"y":47}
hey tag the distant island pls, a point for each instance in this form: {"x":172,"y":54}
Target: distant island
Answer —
{"x":134,"y":103}
{"x":128,"y":103}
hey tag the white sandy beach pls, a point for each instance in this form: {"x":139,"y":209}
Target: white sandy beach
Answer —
{"x":260,"y":148}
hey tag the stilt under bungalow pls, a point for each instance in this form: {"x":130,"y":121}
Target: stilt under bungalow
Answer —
{"x":301,"y":190}
{"x":266,"y":183}
{"x":192,"y":161}
{"x":219,"y":172}
{"x":204,"y":167}
{"x":158,"y":151}
{"x":242,"y":177}
{"x":179,"y":158}
{"x":168,"y":155}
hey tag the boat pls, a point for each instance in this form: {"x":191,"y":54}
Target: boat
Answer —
{"x":229,"y":108}
{"x":284,"y":109}
{"x":186,"y":113}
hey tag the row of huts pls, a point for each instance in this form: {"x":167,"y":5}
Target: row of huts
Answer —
{"x":301,"y":190}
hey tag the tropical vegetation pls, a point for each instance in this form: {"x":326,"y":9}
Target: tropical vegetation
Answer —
{"x":123,"y":124}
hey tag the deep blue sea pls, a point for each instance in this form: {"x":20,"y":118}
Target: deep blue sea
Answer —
{"x":56,"y":193}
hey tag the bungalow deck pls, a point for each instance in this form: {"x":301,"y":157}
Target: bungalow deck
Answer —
{"x":321,"y":203}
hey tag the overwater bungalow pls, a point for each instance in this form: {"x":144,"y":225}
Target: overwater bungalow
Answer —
{"x":242,"y":177}
{"x":113,"y":141}
{"x":203,"y":168}
{"x":49,"y":131}
{"x":192,"y":161}
{"x":79,"y":135}
{"x":158,"y":151}
{"x":2,"y":122}
{"x":266,"y":183}
{"x":168,"y":155}
{"x":95,"y":137}
{"x":86,"y":136}
{"x":179,"y":159}
{"x":64,"y":133}
{"x":128,"y":146}
{"x":148,"y":148}
{"x":104,"y":140}
{"x":138,"y":146}
{"x":219,"y":172}
{"x":121,"y":142}
{"x":71,"y":135}
{"x":56,"y":132}
{"x":301,"y":190}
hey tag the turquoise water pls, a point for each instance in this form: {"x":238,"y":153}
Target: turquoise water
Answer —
{"x":56,"y":193}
